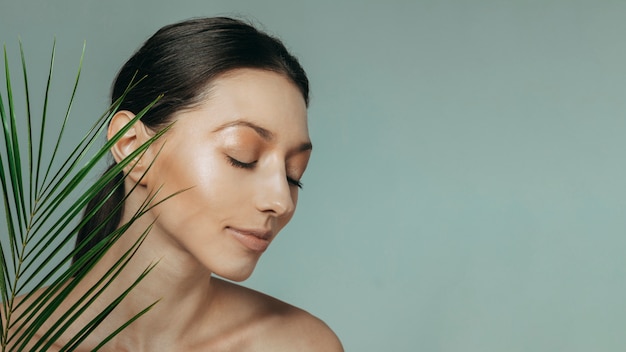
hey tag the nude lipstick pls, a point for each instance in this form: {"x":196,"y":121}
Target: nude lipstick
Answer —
{"x":254,"y":240}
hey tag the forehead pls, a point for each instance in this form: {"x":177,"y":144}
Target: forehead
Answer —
{"x":265,"y":98}
{"x":262,"y":98}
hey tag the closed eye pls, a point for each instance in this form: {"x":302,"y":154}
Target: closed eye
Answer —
{"x":294,"y":182}
{"x":248,"y":166}
{"x":240,"y":164}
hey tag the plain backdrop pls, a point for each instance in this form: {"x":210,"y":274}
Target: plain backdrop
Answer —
{"x":467,"y":190}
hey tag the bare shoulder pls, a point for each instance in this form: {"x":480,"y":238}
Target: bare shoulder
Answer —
{"x":281,"y":326}
{"x":302,"y":331}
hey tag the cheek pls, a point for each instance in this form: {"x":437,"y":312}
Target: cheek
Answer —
{"x":190,"y":167}
{"x":294,"y":195}
{"x":195,"y":174}
{"x":215,"y":186}
{"x":206,"y":177}
{"x":206,"y":199}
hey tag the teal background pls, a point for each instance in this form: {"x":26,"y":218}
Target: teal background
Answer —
{"x":467,"y":189}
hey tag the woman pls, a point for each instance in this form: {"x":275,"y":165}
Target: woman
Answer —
{"x":237,"y":147}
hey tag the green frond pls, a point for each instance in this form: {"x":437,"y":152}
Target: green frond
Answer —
{"x":28,"y":126}
{"x":41,"y":203}
{"x":67,"y":114}
{"x":44,"y":116}
{"x":13,"y":150}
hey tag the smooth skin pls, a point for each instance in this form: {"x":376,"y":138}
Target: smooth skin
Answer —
{"x":240,"y":154}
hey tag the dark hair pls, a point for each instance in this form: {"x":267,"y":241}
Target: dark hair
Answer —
{"x":179,"y":62}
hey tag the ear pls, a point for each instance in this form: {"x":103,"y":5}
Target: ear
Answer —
{"x":128,"y":143}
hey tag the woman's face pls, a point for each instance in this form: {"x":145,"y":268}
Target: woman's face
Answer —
{"x":243,"y":152}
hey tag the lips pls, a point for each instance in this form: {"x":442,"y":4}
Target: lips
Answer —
{"x":254,"y":240}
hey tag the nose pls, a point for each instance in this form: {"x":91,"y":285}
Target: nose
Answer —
{"x":274,"y":195}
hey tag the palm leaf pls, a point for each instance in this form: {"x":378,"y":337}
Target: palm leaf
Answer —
{"x":35,"y":259}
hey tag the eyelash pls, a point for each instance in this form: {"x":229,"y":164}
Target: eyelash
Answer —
{"x":248,"y":166}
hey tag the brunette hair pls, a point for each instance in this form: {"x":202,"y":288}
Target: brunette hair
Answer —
{"x":179,"y":62}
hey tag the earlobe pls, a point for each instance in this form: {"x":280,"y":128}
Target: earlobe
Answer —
{"x":132,"y":139}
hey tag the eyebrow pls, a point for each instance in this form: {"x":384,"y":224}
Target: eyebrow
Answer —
{"x":263,"y":132}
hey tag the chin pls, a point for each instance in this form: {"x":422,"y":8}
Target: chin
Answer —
{"x":240,"y":277}
{"x":236,"y":274}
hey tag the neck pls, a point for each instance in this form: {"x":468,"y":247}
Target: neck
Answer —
{"x":178,"y":284}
